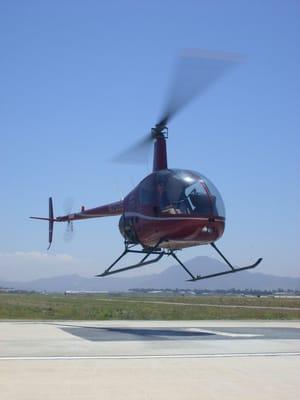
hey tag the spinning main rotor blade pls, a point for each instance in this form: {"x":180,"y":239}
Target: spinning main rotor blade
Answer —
{"x":137,"y":153}
{"x":196,"y":71}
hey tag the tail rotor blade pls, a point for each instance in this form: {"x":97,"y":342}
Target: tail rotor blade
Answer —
{"x":69,"y":232}
{"x":68,"y":205}
{"x":68,"y":208}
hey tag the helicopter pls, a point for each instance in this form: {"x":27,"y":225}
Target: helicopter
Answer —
{"x":170,"y":209}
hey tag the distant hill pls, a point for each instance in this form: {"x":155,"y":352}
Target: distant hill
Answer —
{"x":172,"y":278}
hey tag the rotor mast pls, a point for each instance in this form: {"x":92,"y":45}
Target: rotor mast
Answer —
{"x":160,"y":134}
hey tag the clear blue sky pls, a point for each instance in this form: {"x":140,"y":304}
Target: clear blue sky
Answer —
{"x":81,"y":80}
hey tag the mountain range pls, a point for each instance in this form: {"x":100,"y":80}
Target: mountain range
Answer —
{"x":173,"y":277}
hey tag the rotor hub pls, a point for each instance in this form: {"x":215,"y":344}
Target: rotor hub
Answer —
{"x":159,"y":131}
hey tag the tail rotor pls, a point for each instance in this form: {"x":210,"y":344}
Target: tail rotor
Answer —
{"x":68,"y":208}
{"x":69,"y":232}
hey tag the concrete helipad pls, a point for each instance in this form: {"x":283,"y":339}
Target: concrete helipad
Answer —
{"x":149,"y":360}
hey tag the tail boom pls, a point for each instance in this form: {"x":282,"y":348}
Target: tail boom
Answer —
{"x":107,"y":210}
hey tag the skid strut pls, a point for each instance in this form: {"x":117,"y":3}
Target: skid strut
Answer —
{"x":128,"y":249}
{"x":232,"y":269}
{"x":159,"y":253}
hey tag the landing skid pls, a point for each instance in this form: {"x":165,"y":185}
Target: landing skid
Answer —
{"x":159,"y":253}
{"x":129,"y":249}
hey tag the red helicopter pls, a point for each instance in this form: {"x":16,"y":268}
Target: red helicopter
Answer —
{"x":170,"y":209}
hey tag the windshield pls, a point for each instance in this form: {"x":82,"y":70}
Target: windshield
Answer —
{"x":187,"y":192}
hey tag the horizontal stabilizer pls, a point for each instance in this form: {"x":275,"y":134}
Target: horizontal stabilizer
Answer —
{"x":44,"y":218}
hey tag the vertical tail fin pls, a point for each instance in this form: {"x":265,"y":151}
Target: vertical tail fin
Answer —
{"x":51,"y":222}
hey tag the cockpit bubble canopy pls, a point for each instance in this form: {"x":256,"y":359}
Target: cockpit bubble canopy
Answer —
{"x":187,"y":192}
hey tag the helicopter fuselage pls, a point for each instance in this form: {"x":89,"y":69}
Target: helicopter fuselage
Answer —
{"x":170,"y":209}
{"x":178,"y":208}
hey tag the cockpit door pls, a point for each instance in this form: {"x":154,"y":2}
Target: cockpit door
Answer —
{"x":198,"y":198}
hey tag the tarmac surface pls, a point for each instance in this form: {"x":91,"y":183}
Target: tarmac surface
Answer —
{"x":149,"y":360}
